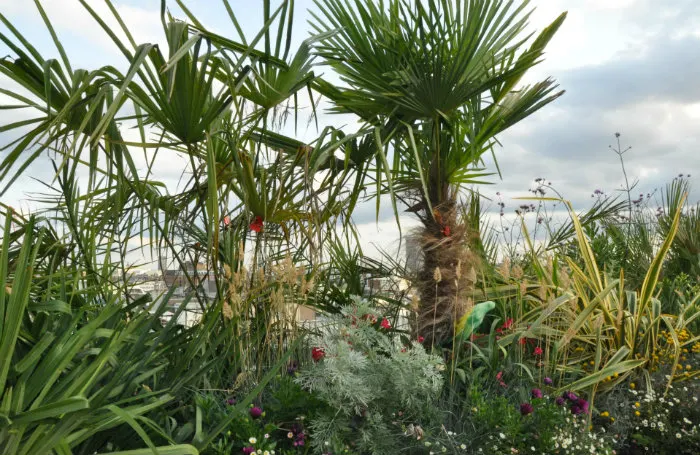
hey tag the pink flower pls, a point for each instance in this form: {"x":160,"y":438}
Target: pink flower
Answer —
{"x":421,"y":339}
{"x":257,"y":225}
{"x":248,"y":450}
{"x":255,"y":412}
{"x":385,"y":323}
{"x":536,"y":393}
{"x":548,"y":381}
{"x":538,"y":350}
{"x":227,"y":220}
{"x":317,"y":354}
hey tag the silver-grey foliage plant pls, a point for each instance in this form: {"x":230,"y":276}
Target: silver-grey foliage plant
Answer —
{"x":378,"y":387}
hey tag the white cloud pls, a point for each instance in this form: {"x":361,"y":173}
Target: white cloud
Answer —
{"x":80,"y":33}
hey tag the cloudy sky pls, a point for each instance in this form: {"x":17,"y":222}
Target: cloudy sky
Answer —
{"x":628,"y":66}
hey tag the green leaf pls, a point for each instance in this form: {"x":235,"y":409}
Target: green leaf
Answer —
{"x":56,"y":409}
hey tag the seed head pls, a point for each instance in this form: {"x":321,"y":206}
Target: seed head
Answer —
{"x":437,"y":276}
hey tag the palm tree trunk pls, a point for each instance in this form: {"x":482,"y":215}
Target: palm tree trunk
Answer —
{"x":447,"y":276}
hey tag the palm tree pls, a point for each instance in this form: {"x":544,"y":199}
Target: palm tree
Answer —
{"x":213,"y":99}
{"x":436,"y":81}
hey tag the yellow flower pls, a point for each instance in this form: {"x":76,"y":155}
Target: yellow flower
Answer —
{"x":688,"y":367}
{"x":616,"y":375}
{"x":612,"y":419}
{"x":604,"y":414}
{"x":637,"y":413}
{"x":632,"y":386}
{"x":636,"y":405}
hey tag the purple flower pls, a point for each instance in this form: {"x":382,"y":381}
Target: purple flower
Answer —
{"x":526,"y":408}
{"x":575,"y":410}
{"x":560,"y":401}
{"x":231,"y":401}
{"x":255,"y":412}
{"x":583,"y":404}
{"x":570,"y":396}
{"x":548,"y":381}
{"x":536,"y":393}
{"x":248,"y":450}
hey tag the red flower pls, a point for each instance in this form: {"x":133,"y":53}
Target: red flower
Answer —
{"x":538,"y":351}
{"x":317,"y":354}
{"x":522,"y":341}
{"x":421,"y":339}
{"x":257,"y":225}
{"x":500,"y":381}
{"x":385,"y":323}
{"x":446,"y":231}
{"x":508,"y":324}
